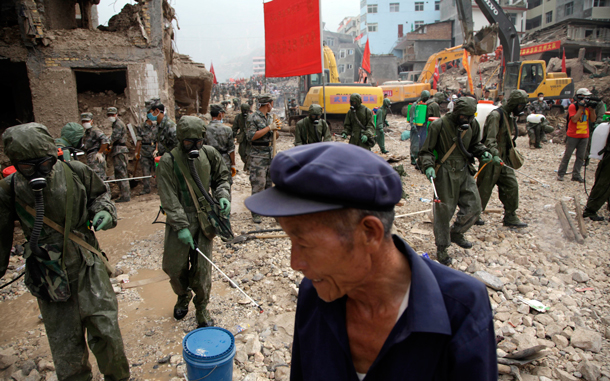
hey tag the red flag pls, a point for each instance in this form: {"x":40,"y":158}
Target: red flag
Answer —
{"x":436,"y":76}
{"x":292,"y":38}
{"x":563,"y":61}
{"x":214,"y":74}
{"x":366,"y":58}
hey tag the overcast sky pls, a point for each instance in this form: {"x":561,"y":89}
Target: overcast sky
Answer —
{"x":222,"y":31}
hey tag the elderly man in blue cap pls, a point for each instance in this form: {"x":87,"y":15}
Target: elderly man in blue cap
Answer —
{"x":369,"y":306}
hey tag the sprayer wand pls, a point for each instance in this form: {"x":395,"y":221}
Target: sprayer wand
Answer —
{"x":436,"y":199}
{"x":521,"y":173}
{"x":230,"y":280}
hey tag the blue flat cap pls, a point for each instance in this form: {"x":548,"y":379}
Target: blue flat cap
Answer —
{"x":327,"y":176}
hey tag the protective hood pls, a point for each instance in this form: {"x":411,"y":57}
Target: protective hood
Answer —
{"x":190,"y":127}
{"x":72,"y":132}
{"x":425,"y":95}
{"x":28,"y":141}
{"x":245,"y":107}
{"x":356,"y":97}
{"x":463,"y":106}
{"x":516,"y":98}
{"x":315,"y":110}
{"x":387,"y":102}
{"x":439,"y":97}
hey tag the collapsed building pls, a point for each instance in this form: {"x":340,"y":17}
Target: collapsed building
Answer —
{"x":57,"y":63}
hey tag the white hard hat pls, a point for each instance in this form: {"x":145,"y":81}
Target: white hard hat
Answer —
{"x":583,"y":91}
{"x":454,"y":96}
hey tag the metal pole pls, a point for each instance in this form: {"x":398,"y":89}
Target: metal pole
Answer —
{"x":229,"y":279}
{"x":322,"y":58}
{"x":129,"y":178}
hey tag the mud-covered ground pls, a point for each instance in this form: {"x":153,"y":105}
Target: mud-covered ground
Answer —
{"x":535,"y":263}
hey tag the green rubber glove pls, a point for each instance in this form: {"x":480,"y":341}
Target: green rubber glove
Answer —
{"x":364,"y":138}
{"x":186,"y":238}
{"x":497,"y":161}
{"x":104,"y":219}
{"x":431,"y":173}
{"x":225,"y":207}
{"x":344,"y":135}
{"x":485,"y":158}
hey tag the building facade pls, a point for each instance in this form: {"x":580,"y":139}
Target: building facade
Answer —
{"x":544,"y":13}
{"x":416,"y":47}
{"x":350,"y":25}
{"x":384,"y":22}
{"x":347,"y":54}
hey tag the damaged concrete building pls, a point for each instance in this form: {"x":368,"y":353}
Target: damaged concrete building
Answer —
{"x":56,"y":63}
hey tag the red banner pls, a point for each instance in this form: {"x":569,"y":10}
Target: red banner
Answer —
{"x":213,"y":73}
{"x":292,"y":38}
{"x":541,"y":48}
{"x":366,"y":58}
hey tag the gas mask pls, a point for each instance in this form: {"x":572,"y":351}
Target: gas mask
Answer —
{"x":112,"y":119}
{"x":36,"y":171}
{"x":87,"y":125}
{"x":465,"y":120}
{"x":353,"y":105}
{"x":315,"y":119}
{"x":519,"y":109}
{"x":192,"y":147}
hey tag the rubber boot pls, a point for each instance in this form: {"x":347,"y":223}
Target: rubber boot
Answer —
{"x":458,"y":239}
{"x":512,"y":220}
{"x":592,"y":216}
{"x":182,"y":306}
{"x":203,"y":318}
{"x":256,"y":218}
{"x":442,"y":256}
{"x":480,"y":222}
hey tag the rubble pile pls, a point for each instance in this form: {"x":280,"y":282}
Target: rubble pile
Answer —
{"x":570,"y":339}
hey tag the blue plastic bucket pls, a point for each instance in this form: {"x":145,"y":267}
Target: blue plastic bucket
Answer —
{"x":208,"y":353}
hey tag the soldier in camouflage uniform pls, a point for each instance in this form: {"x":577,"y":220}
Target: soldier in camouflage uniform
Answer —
{"x":260,"y":128}
{"x":95,"y":144}
{"x":166,"y":129}
{"x":90,"y":313}
{"x":145,"y":149}
{"x":537,"y":132}
{"x":119,"y":153}
{"x":359,"y":124}
{"x":220,"y":137}
{"x":236,"y":103}
{"x":186,"y":268}
{"x":239,"y":131}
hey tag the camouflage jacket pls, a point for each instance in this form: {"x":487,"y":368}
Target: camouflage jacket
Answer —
{"x":166,"y":135}
{"x":220,"y":137}
{"x":93,"y":139}
{"x":147,"y":134}
{"x":537,"y":107}
{"x":256,"y":122}
{"x":117,"y":139}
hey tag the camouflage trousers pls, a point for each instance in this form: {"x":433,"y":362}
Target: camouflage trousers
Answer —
{"x":260,"y":177}
{"x":90,"y":316}
{"x":97,"y":167}
{"x":186,"y":269}
{"x":120,"y":172}
{"x":147,"y":163}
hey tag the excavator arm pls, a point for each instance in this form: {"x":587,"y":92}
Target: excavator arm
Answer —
{"x":479,"y":43}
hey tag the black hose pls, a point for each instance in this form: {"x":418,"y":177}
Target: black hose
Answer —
{"x":39,"y":206}
{"x":195,"y":175}
{"x":462,"y":148}
{"x":14,"y":280}
{"x":315,"y":131}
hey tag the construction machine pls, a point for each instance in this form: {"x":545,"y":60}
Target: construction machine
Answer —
{"x":311,"y":91}
{"x":530,"y":76}
{"x":403,"y":92}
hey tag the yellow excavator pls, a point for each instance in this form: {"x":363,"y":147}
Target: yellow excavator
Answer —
{"x":401,"y":93}
{"x":337,"y":94}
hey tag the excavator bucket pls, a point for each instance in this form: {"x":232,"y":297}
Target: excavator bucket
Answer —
{"x":483,"y":42}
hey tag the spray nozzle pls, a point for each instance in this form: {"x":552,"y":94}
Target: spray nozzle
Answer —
{"x":38,"y":183}
{"x":464,"y":127}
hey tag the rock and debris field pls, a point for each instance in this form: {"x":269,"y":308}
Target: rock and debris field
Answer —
{"x":533,"y":263}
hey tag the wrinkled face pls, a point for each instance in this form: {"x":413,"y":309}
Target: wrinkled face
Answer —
{"x":323,"y":256}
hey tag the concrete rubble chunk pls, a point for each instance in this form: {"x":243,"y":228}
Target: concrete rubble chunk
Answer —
{"x":580,"y":276}
{"x":33,"y":376}
{"x":6,"y":361}
{"x":564,"y":376}
{"x":587,"y":340}
{"x":491,"y":281}
{"x":253,"y":345}
{"x":590,"y":371}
